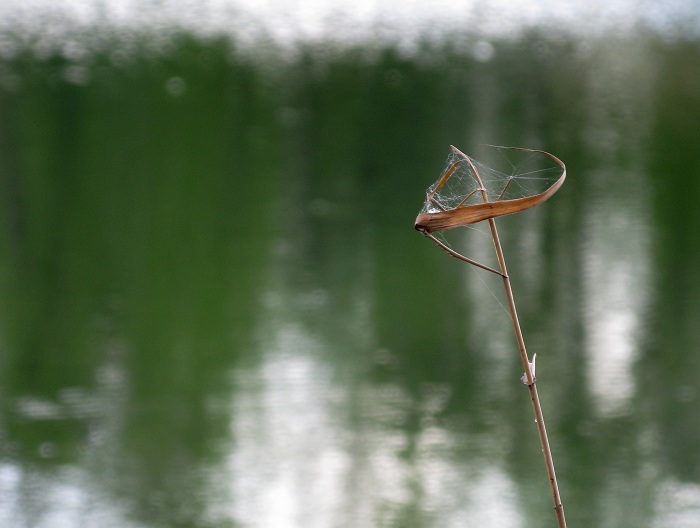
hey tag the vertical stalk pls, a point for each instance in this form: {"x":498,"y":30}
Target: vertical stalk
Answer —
{"x":539,"y":419}
{"x":529,"y":375}
{"x":429,"y":224}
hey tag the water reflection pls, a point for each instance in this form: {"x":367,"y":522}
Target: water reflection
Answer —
{"x":616,"y":224}
{"x":677,"y":505}
{"x":297,"y":463}
{"x":616,"y":252}
{"x":289,"y":451}
{"x":318,"y":444}
{"x":215,"y":311}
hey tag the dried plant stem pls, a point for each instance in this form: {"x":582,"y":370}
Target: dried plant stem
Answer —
{"x":529,"y":374}
{"x":429,"y":222}
{"x":539,"y":419}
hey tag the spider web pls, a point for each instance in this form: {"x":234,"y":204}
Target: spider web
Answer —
{"x":509,"y":174}
{"x":469,"y":191}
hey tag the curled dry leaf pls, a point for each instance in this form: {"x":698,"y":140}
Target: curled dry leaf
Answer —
{"x":436,"y":217}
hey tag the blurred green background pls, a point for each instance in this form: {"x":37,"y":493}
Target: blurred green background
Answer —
{"x":215,"y":312}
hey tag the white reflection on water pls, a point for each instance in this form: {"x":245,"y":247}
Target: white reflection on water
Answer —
{"x":301,"y":460}
{"x":314,"y":446}
{"x":616,"y":292}
{"x":616,"y":229}
{"x":677,"y":505}
{"x":67,"y":497}
{"x":290,"y":452}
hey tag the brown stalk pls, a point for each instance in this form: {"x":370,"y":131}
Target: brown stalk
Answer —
{"x":427,"y":223}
